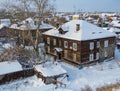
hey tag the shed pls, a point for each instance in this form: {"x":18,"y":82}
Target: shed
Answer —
{"x":50,"y":73}
{"x":12,"y":70}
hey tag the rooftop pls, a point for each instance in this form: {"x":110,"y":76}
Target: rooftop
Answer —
{"x":87,"y":31}
{"x":9,"y":67}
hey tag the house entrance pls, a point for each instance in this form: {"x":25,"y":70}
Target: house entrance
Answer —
{"x":58,"y":53}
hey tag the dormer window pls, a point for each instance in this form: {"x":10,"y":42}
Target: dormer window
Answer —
{"x":61,"y":31}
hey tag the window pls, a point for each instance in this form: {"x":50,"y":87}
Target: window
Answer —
{"x":48,"y":40}
{"x":91,"y":57}
{"x":74,"y":57}
{"x":105,"y":54}
{"x":65,"y":53}
{"x":65,"y":44}
{"x":106,"y":43}
{"x":60,"y":44}
{"x":98,"y":44}
{"x":48,"y":49}
{"x":54,"y":42}
{"x":97,"y":55}
{"x":91,"y":45}
{"x":75,"y":46}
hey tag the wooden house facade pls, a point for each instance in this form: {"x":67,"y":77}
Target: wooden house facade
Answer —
{"x":27,"y":29}
{"x":80,"y":43}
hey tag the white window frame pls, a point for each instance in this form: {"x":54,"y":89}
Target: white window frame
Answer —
{"x":91,"y":57}
{"x":54,"y":42}
{"x":106,"y":43}
{"x":74,"y":57}
{"x":98,"y":44}
{"x":65,"y":44}
{"x":91,"y":45}
{"x":48,"y":40}
{"x":97,"y":56}
{"x":75,"y":46}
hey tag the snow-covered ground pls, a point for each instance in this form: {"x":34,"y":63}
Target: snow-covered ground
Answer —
{"x":94,"y":76}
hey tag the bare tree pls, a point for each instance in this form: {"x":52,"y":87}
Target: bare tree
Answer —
{"x":25,"y":9}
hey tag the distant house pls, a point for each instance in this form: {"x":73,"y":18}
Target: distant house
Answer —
{"x":12,"y":70}
{"x":116,"y":24}
{"x":79,"y":42}
{"x":4,"y":24}
{"x":24,"y":28}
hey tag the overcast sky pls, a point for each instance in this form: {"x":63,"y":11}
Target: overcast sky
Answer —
{"x":88,"y":5}
{"x":85,"y":5}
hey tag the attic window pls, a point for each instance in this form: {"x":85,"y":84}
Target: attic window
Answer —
{"x":93,"y":32}
{"x":100,"y":32}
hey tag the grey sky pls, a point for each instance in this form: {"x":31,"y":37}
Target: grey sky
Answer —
{"x":85,"y":5}
{"x":88,"y":5}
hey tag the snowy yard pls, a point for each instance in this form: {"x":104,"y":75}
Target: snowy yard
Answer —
{"x":95,"y":76}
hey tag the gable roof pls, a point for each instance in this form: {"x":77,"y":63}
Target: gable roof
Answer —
{"x":87,"y":31}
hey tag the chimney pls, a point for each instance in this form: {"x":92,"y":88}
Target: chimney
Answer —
{"x":57,"y":25}
{"x":77,"y":27}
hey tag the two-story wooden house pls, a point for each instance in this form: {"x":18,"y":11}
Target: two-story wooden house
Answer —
{"x":79,"y":42}
{"x":28,"y":28}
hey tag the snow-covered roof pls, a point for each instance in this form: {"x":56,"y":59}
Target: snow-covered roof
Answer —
{"x":2,"y":25}
{"x":46,"y":26}
{"x":31,"y":25}
{"x":115,"y":23}
{"x":87,"y":31}
{"x":58,"y":49}
{"x":9,"y":67}
{"x":51,"y":70}
{"x":6,"y":22}
{"x":114,"y":30}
